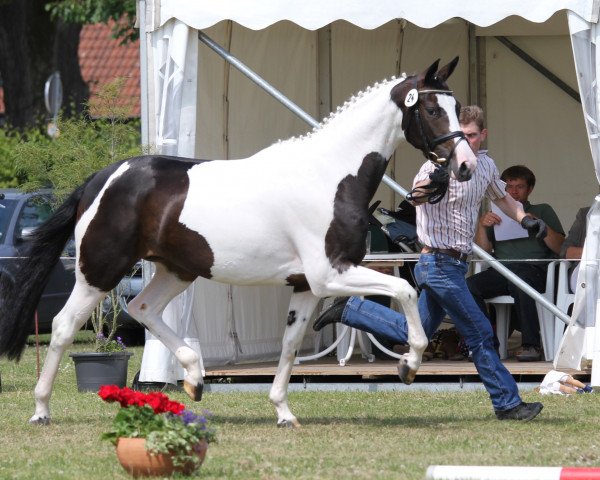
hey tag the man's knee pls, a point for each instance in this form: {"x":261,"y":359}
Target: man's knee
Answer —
{"x":473,"y":284}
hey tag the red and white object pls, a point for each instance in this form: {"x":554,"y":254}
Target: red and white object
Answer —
{"x":460,"y":472}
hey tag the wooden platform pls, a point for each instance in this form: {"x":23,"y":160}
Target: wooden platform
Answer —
{"x":359,"y":368}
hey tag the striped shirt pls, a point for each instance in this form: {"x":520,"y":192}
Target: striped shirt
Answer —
{"x":451,"y":223}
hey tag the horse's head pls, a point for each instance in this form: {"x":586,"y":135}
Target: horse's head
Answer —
{"x":430,"y":120}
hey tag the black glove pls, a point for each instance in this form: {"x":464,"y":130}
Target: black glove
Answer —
{"x":440,"y":176}
{"x":535,"y":225}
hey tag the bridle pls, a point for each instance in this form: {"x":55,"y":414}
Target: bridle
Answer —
{"x":436,"y":189}
{"x":429,"y":145}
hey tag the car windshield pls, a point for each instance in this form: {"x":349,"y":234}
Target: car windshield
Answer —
{"x":7,"y":208}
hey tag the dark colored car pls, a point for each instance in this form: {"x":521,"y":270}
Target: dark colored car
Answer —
{"x":20,"y":214}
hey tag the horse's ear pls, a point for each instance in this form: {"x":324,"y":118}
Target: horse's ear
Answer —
{"x":447,"y":70}
{"x":430,"y":72}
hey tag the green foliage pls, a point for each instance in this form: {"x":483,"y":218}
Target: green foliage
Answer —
{"x":82,"y":147}
{"x":167,"y":427}
{"x":134,"y":422}
{"x":98,"y":11}
{"x":108,"y":321}
{"x":9,"y":141}
{"x":108,"y":345}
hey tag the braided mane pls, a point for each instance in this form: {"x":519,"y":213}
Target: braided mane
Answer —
{"x":341,"y":109}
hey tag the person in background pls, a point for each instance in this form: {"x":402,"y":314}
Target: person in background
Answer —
{"x":446,"y":229}
{"x":490,"y":283}
{"x":572,"y":247}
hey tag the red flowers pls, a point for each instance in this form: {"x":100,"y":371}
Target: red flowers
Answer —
{"x":158,"y":401}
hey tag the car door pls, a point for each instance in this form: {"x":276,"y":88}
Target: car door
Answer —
{"x":31,"y":214}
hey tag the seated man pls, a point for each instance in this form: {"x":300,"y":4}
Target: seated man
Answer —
{"x":520,"y":182}
{"x":572,"y":248}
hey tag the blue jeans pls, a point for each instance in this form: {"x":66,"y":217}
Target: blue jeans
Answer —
{"x":443,"y":291}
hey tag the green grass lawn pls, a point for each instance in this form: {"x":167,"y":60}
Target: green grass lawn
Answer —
{"x":344,"y":435}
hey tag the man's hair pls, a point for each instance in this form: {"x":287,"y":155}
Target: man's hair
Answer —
{"x":472,"y":113}
{"x":519,"y":172}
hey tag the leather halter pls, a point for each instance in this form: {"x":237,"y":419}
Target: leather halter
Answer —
{"x":429,"y":145}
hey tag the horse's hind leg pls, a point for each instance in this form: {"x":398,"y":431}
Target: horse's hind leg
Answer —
{"x":364,"y":281}
{"x":65,"y":325}
{"x":301,"y":308}
{"x":147,"y":308}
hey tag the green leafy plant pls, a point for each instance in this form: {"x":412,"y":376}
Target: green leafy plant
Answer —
{"x":108,"y":345}
{"x":165,"y":424}
{"x":82,"y":147}
{"x":104,"y":322}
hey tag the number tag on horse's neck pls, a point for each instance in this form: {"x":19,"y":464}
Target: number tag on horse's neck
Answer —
{"x":411,"y":97}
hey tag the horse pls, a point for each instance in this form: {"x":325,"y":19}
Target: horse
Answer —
{"x":302,"y":205}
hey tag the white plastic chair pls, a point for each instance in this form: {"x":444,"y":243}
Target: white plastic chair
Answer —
{"x":564,"y":299}
{"x":502,"y":306}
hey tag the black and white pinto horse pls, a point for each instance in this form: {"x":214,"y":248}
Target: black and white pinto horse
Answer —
{"x":302,"y":205}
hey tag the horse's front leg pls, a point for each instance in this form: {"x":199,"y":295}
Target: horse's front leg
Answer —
{"x":364,"y":281}
{"x":301,"y":308}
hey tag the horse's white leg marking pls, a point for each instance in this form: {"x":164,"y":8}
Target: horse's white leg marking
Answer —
{"x":65,"y":325}
{"x":147,"y":308}
{"x":364,"y":281}
{"x":301,"y":308}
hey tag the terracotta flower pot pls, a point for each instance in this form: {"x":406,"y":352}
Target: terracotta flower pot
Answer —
{"x":134,"y":458}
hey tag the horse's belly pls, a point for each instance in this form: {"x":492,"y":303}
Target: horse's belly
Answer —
{"x":254,"y":269}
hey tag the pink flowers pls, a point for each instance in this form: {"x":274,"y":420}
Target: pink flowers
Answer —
{"x":158,"y":401}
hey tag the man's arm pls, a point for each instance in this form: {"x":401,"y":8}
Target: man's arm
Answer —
{"x":514,"y":209}
{"x":420,"y":192}
{"x":574,"y":252}
{"x":554,"y":240}
{"x":481,"y":236}
{"x":572,"y":247}
{"x":511,"y":207}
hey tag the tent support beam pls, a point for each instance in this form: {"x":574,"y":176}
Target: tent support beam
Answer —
{"x":386,"y":179}
{"x":540,"y":68}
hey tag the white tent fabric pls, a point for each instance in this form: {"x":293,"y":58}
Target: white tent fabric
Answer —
{"x":580,"y":344}
{"x":169,"y":56}
{"x":314,"y":14}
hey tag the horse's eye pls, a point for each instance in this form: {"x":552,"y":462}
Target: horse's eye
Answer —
{"x":433,"y":111}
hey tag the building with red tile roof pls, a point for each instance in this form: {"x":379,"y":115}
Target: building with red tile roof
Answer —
{"x":103,"y":59}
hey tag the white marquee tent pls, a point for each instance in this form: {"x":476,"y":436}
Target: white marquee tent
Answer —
{"x":319,"y":52}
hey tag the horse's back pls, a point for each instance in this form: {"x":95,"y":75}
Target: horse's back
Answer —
{"x":197,"y":221}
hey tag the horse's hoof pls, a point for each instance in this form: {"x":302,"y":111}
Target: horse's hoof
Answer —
{"x":406,"y":374}
{"x":193,"y":391}
{"x":289,"y":423}
{"x":39,"y":421}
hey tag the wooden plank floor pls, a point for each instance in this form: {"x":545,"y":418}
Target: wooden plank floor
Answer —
{"x":380,"y":369}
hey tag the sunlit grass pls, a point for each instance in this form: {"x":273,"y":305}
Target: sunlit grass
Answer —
{"x":344,"y":435}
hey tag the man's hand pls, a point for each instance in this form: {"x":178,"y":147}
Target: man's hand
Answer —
{"x":535,"y":225}
{"x":440,"y":176}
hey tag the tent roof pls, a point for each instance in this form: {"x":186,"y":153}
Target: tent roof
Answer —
{"x":314,"y":14}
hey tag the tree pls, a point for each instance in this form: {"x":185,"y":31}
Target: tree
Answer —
{"x":38,"y":38}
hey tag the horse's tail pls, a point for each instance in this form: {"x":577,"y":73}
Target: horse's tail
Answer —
{"x":22,"y":283}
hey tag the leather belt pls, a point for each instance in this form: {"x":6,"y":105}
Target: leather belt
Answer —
{"x":447,"y":251}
